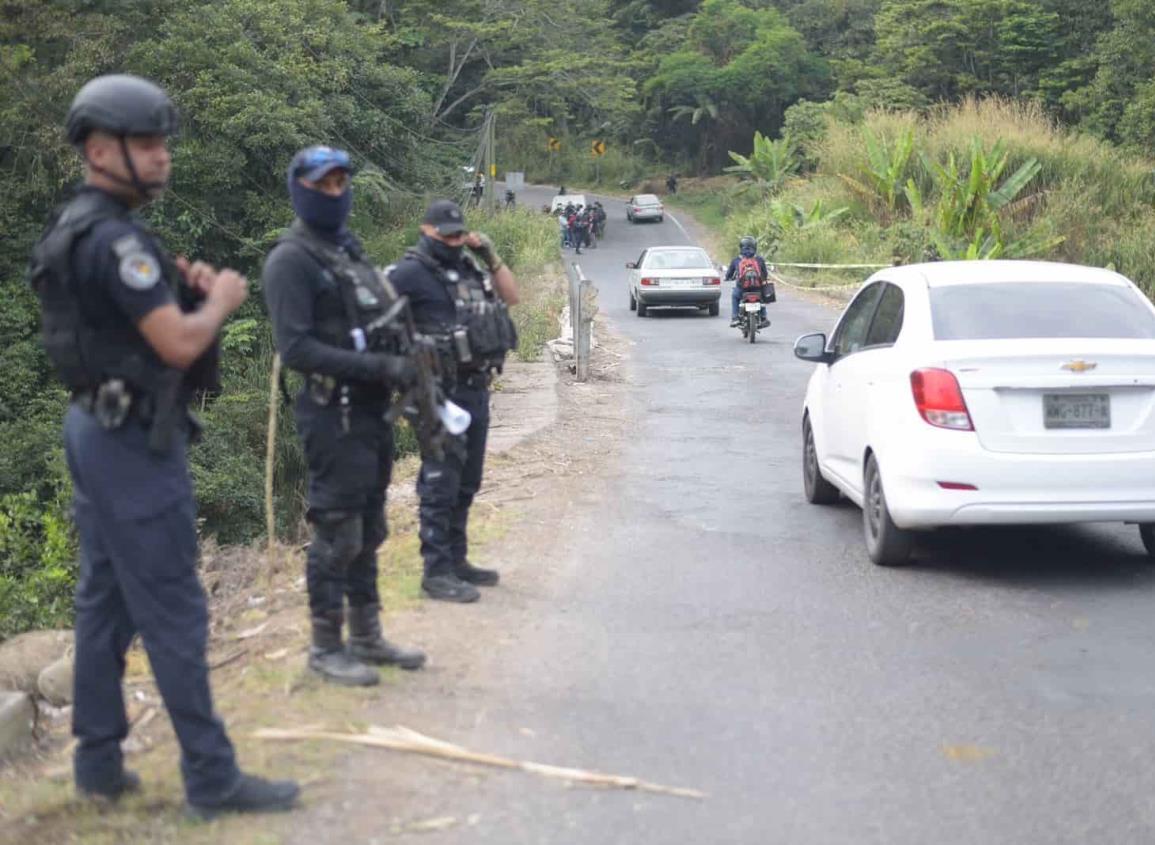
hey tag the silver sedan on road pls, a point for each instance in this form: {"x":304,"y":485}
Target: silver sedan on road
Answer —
{"x":674,"y":275}
{"x":645,"y":207}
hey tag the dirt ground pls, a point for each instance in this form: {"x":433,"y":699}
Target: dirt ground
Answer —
{"x":552,"y":441}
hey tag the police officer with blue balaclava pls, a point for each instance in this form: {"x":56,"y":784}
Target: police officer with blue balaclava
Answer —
{"x":132,"y":333}
{"x":324,"y":296}
{"x":462,"y":300}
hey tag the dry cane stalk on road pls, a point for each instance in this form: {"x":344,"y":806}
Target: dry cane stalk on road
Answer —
{"x":400,"y":738}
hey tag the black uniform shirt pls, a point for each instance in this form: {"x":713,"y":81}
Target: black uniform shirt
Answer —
{"x":434,"y":303}
{"x":300,"y":297}
{"x":119,"y":271}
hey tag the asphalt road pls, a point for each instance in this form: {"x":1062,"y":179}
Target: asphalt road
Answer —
{"x":713,"y":630}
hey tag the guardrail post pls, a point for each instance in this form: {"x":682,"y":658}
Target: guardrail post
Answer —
{"x":581,"y":311}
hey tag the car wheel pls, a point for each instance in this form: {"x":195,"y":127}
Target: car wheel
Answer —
{"x":642,"y":309}
{"x":1147,"y":534}
{"x":633,"y":302}
{"x":714,"y":309}
{"x":818,"y":490}
{"x":886,"y":543}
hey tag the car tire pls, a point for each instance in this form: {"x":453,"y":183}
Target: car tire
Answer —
{"x":642,"y":309}
{"x":818,"y":490}
{"x":1147,"y":535}
{"x":662,"y":219}
{"x":633,"y":302}
{"x":886,"y":543}
{"x":714,"y":309}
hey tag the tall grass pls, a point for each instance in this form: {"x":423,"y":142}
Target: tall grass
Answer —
{"x":1089,"y":202}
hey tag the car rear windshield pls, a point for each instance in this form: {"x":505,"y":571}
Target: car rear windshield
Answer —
{"x":647,"y":199}
{"x":683,"y":259}
{"x":1039,"y":310}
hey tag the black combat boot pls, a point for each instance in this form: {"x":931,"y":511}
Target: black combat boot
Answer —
{"x":449,"y":588}
{"x":251,"y":795}
{"x":328,"y":659}
{"x":471,"y":574}
{"x":127,"y":783}
{"x":368,"y":646}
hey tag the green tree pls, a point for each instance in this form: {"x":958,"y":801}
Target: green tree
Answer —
{"x":744,"y":59}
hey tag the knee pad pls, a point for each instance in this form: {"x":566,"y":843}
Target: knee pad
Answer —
{"x":338,"y":537}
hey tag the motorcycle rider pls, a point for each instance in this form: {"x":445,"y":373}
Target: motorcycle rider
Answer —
{"x":747,"y":248}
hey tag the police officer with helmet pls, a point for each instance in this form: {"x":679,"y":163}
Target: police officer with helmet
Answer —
{"x":324,"y":296}
{"x":132,"y":333}
{"x":465,"y":305}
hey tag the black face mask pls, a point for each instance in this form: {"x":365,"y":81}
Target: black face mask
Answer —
{"x":442,"y":252}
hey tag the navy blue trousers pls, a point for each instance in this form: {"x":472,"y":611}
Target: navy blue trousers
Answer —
{"x":446,"y":489}
{"x":135,"y":515}
{"x":349,"y":471}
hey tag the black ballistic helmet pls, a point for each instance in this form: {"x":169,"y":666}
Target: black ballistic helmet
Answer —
{"x":121,"y":105}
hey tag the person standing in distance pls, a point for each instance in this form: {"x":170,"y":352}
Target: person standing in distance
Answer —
{"x":323,"y":294}
{"x":464,"y":306}
{"x":132,"y":333}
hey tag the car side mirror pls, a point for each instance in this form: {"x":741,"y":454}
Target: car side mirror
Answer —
{"x":630,"y":265}
{"x":812,"y":347}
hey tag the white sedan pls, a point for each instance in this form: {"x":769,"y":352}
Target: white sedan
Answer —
{"x":981,"y":393}
{"x":674,"y":276}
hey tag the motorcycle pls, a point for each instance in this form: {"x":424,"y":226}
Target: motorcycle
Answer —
{"x":750,"y":313}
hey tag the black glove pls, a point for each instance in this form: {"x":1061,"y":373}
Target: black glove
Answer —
{"x":398,"y":370}
{"x":487,"y":252}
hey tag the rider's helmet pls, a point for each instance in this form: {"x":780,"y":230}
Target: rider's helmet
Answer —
{"x":748,"y":247}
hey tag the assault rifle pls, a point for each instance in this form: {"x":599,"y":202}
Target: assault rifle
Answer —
{"x":420,"y":403}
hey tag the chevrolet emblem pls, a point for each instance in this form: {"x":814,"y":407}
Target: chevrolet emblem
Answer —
{"x":1079,"y":366}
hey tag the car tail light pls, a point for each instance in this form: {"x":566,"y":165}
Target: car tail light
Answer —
{"x":650,"y":283}
{"x":956,"y":485}
{"x":939,"y":399}
{"x":636,"y":209}
{"x":711,"y":280}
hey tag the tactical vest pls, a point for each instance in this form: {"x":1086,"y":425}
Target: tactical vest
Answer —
{"x":366,"y":295}
{"x":485,"y":333}
{"x":85,"y":354}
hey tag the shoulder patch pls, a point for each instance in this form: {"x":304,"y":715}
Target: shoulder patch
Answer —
{"x":139,"y":270}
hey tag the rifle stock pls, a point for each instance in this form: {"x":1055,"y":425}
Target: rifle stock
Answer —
{"x":421,"y":402}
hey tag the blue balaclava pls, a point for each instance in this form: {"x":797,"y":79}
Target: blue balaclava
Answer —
{"x":322,"y":212}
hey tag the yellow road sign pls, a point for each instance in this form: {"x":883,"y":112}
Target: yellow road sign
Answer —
{"x":599,"y":148}
{"x":554,"y":145}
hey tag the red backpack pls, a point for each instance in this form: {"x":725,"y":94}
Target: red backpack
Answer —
{"x":749,"y":273}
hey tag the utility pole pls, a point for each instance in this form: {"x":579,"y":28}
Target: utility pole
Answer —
{"x":490,"y":163}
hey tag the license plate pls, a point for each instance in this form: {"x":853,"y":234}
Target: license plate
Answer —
{"x":751,"y":306}
{"x":1076,"y":410}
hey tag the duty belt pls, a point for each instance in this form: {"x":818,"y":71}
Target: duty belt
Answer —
{"x":113,"y":402}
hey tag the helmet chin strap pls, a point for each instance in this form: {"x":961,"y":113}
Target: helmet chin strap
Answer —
{"x":145,"y":190}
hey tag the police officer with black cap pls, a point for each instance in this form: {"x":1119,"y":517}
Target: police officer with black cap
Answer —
{"x":323,"y":296}
{"x":132,"y":333}
{"x":465,"y":305}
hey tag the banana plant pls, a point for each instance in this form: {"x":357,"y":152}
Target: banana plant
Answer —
{"x":966,"y":221}
{"x":884,"y":169}
{"x":791,"y":216}
{"x":769,"y":165}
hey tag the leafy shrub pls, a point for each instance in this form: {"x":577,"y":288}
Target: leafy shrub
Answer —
{"x":37,"y":562}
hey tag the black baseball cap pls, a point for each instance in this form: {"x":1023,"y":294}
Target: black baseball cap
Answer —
{"x":446,"y":217}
